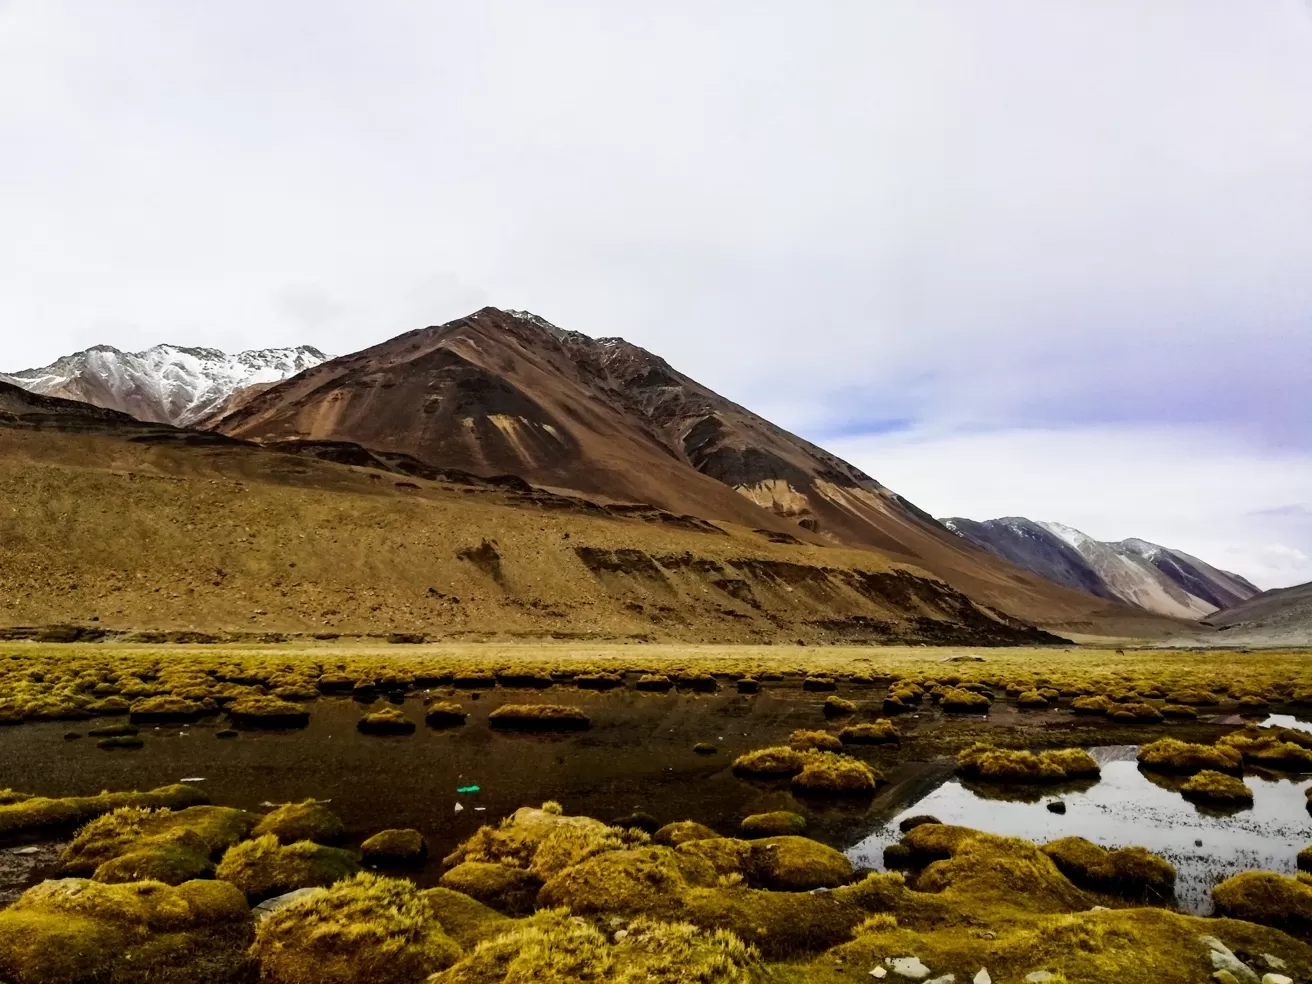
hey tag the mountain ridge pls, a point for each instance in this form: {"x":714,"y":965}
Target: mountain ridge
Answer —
{"x":172,"y":384}
{"x":1138,"y":572}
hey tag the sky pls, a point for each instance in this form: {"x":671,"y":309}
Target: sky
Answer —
{"x":1012,"y":257}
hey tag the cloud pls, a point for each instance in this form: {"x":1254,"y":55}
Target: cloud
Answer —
{"x":949,"y":217}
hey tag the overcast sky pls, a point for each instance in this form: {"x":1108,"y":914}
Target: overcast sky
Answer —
{"x":1012,"y":257}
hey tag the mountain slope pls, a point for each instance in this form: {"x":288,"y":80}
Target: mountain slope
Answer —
{"x":156,"y":529}
{"x":166,"y":383}
{"x":1147,"y":575}
{"x":1282,"y":617}
{"x":508,"y":393}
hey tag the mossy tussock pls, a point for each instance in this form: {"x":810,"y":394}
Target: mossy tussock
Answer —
{"x":1172,"y":755}
{"x":811,"y":771}
{"x":267,"y":711}
{"x":988,"y":763}
{"x":262,"y":868}
{"x":394,"y":848}
{"x":1268,"y":899}
{"x":170,"y":846}
{"x":39,"y":814}
{"x":308,"y":820}
{"x":365,"y":929}
{"x":1132,"y":872}
{"x":879,"y":732}
{"x":539,"y":717}
{"x":1217,"y":788}
{"x":386,"y":721}
{"x":1281,"y":749}
{"x":70,"y":931}
{"x":445,"y":714}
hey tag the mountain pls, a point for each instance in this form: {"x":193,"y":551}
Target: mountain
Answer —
{"x":507,"y":392}
{"x":165,"y":384}
{"x":1147,"y":575}
{"x":1281,"y":617}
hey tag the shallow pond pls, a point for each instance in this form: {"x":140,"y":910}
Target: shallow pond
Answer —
{"x":1128,"y":807}
{"x":638,"y":756}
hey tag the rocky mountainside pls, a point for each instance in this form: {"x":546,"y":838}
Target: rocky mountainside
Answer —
{"x":1147,"y":575}
{"x":166,"y":383}
{"x":506,"y":392}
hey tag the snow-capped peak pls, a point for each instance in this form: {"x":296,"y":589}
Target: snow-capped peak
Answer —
{"x":1068,"y":533}
{"x":167,"y":383}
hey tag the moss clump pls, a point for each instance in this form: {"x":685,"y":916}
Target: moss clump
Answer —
{"x":1131,"y":871}
{"x":69,"y":931}
{"x":388,"y":721}
{"x":39,"y":813}
{"x":1092,"y":705}
{"x":503,"y":887}
{"x":1172,"y":755}
{"x":837,"y":707}
{"x":820,"y":683}
{"x":776,"y":824}
{"x":465,"y":920}
{"x":654,"y":682}
{"x":881,"y":732}
{"x":1210,"y":786}
{"x":268,"y":712}
{"x":682,"y":831}
{"x":121,"y":741}
{"x":1134,"y":712}
{"x":748,"y":685}
{"x":1270,"y":749}
{"x":554,"y":948}
{"x":598,"y":681}
{"x":395,"y":848}
{"x":705,"y":748}
{"x":1266,"y":898}
{"x":364,"y":930}
{"x":1180,"y":712}
{"x":1031,"y":700}
{"x":444,"y":714}
{"x":647,"y":880}
{"x":165,"y":708}
{"x":990,"y":764}
{"x":821,"y":741}
{"x":696,"y":680}
{"x":539,"y":717}
{"x":132,"y":844}
{"x":263,"y":868}
{"x":797,"y":864}
{"x":309,"y":820}
{"x":778,"y":760}
{"x":833,"y":773}
{"x":959,"y":701}
{"x":543,"y":841}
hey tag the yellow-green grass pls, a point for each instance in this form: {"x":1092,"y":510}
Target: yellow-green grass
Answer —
{"x":990,"y":764}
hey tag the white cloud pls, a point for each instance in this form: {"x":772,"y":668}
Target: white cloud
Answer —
{"x":1206,"y":493}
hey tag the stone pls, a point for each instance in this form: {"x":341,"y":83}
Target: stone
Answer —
{"x":879,"y":973}
{"x":982,"y":977}
{"x":1225,"y":977}
{"x":1039,"y":977}
{"x":945,"y":979}
{"x":1273,"y":962}
{"x":909,"y":967}
{"x":269,"y":906}
{"x":1276,"y":979}
{"x":1224,"y":959}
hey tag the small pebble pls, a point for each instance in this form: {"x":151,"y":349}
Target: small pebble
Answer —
{"x":879,"y":972}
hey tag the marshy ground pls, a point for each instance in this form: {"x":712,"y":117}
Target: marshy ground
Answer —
{"x":648,"y":736}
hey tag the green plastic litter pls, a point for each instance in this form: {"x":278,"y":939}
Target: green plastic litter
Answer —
{"x":467,"y":789}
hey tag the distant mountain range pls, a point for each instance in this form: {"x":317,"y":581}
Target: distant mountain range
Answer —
{"x":167,"y":383}
{"x":507,"y":393}
{"x":1147,"y":575}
